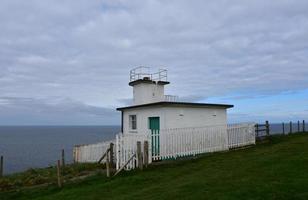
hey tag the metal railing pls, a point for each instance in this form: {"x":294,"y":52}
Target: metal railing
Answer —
{"x":171,"y":98}
{"x":142,"y":72}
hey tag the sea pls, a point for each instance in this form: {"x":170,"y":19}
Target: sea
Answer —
{"x":25,"y":147}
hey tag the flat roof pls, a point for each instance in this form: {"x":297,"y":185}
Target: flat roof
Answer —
{"x":149,"y":81}
{"x":180,"y":104}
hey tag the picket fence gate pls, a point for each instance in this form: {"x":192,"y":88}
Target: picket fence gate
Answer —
{"x":126,"y":147}
{"x":170,"y":143}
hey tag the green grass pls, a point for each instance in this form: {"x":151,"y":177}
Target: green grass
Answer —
{"x":274,"y":170}
{"x":34,"y":177}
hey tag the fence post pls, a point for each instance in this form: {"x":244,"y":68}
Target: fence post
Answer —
{"x":304,"y":126}
{"x":74,"y":155}
{"x":267,"y":128}
{"x":63,"y":159}
{"x":59,"y":174}
{"x":107,"y":164}
{"x":283,"y":131}
{"x":298,"y":126}
{"x":146,"y":153}
{"x":111,"y":155}
{"x":118,"y":152}
{"x":139,"y":156}
{"x":1,"y":166}
{"x":257,"y":129}
{"x":290,"y":127}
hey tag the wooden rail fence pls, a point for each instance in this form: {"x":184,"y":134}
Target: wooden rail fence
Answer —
{"x":263,"y":130}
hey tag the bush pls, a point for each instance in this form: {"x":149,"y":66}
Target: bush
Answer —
{"x":5,"y":184}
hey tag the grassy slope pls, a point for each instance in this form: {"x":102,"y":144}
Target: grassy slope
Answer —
{"x":276,"y":170}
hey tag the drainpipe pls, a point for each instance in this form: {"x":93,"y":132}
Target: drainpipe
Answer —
{"x":122,"y":120}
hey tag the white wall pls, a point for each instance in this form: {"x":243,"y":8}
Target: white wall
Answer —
{"x":183,"y":117}
{"x":148,"y":93}
{"x":175,"y":117}
{"x":142,"y":118}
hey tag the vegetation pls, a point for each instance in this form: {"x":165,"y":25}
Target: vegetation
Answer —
{"x":34,"y":177}
{"x":276,"y":169}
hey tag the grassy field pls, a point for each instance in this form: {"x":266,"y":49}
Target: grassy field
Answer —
{"x":277,"y":169}
{"x":46,"y":176}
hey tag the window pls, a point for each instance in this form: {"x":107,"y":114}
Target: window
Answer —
{"x":133,"y":122}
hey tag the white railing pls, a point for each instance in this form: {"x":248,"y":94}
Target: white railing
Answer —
{"x":171,"y":98}
{"x":126,"y":146}
{"x":241,"y":135}
{"x":90,"y":152}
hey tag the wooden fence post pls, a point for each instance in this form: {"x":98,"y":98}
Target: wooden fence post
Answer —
{"x":290,"y":127}
{"x":74,"y":155}
{"x":59,"y":174}
{"x":298,"y":126}
{"x":283,"y":131}
{"x":111,"y":155}
{"x":304,"y":126}
{"x":63,"y":159}
{"x":107,"y":164}
{"x":267,"y":128}
{"x":139,"y":156}
{"x":1,"y":166}
{"x":146,"y":153}
{"x":257,"y":129}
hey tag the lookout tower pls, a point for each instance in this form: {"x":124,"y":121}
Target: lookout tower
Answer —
{"x":148,"y":87}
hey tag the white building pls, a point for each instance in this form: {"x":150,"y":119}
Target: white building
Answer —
{"x":172,"y":129}
{"x":154,"y":110}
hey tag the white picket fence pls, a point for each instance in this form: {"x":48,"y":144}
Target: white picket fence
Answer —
{"x":126,"y":147}
{"x":241,"y":135}
{"x":90,"y":152}
{"x":179,"y":142}
{"x":170,"y":143}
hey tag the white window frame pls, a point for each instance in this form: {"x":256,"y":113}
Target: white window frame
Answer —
{"x":130,"y":122}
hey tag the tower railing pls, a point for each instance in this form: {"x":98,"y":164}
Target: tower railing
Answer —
{"x":142,"y":72}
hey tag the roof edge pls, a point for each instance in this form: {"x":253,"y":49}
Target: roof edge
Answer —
{"x":164,"y":103}
{"x":148,"y":81}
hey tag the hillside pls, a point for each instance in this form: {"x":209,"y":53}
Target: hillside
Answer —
{"x":277,"y":169}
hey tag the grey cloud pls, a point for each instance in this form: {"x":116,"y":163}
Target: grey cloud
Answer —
{"x":55,"y":104}
{"x":83,"y":50}
{"x":57,"y":110}
{"x":124,"y":101}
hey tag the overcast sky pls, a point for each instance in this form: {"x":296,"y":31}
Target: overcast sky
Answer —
{"x":68,"y":61}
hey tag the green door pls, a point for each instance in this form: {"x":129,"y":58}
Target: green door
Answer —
{"x":154,"y":126}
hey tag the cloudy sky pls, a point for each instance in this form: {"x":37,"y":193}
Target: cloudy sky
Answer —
{"x":68,"y":61}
